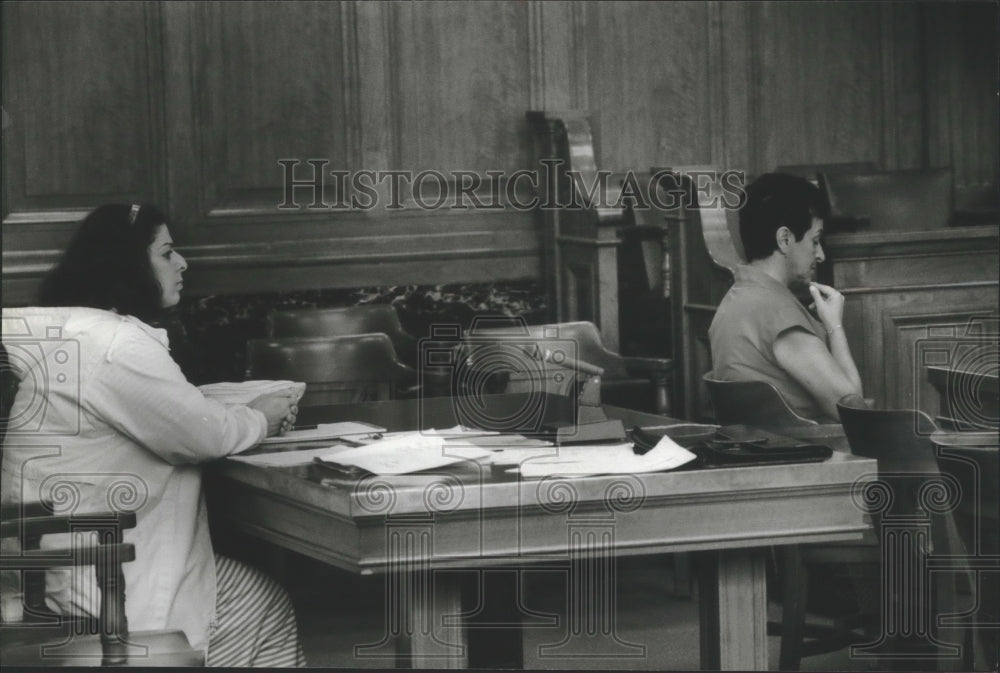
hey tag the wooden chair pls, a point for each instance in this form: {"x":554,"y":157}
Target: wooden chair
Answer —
{"x":759,"y":404}
{"x":911,"y":507}
{"x":755,"y":403}
{"x":354,"y":320}
{"x":906,"y":200}
{"x":336,"y":370}
{"x":634,"y":382}
{"x":345,"y":321}
{"x":44,"y":638}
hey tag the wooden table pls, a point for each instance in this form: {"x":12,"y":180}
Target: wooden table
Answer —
{"x":417,"y":527}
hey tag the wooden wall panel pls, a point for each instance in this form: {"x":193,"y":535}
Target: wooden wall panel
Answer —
{"x":269,"y":84}
{"x":961,"y":76}
{"x":86,"y":117}
{"x":647,"y":83}
{"x":461,"y":85}
{"x":191,"y":104}
{"x":818,"y":68}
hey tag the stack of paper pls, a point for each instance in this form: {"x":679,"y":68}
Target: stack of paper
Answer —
{"x":408,"y":452}
{"x":325,"y":431}
{"x":247,"y":391}
{"x":290,"y":458}
{"x":609,"y":459}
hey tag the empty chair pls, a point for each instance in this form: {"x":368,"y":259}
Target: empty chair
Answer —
{"x":336,"y":370}
{"x":353,"y":320}
{"x":911,"y":507}
{"x":633,"y":382}
{"x":906,"y":200}
{"x":345,"y":321}
{"x":44,"y":638}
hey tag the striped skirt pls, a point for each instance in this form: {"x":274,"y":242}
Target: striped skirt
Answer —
{"x":255,"y":621}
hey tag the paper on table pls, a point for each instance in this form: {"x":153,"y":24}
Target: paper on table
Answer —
{"x":244,"y":392}
{"x":506,"y":442}
{"x":570,"y":453}
{"x":287,"y":458}
{"x":460,"y":431}
{"x":323,"y":431}
{"x":409,"y":452}
{"x":616,"y":459}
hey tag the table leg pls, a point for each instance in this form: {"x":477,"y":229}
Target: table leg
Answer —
{"x":733,"y":610}
{"x":418,"y":599}
{"x":427,"y":640}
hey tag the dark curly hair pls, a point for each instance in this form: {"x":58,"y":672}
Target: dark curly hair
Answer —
{"x":107,"y":264}
{"x":776,"y":200}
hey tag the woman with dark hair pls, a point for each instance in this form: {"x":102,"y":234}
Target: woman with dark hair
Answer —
{"x":106,"y":418}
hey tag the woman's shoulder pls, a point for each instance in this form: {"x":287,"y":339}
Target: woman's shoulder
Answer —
{"x":91,"y":328}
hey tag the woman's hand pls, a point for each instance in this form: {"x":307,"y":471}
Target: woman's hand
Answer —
{"x":829,"y":305}
{"x":280,"y":411}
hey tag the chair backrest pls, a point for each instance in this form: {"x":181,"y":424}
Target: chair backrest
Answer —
{"x":345,"y":321}
{"x":720,"y":223}
{"x":336,"y":370}
{"x":582,"y":340}
{"x":906,"y":200}
{"x":755,"y":403}
{"x":900,"y":440}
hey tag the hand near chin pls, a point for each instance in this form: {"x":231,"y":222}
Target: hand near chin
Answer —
{"x":280,"y":409}
{"x":829,"y":305}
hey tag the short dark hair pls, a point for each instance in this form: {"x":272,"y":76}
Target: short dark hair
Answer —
{"x":106,"y":264}
{"x":776,"y":200}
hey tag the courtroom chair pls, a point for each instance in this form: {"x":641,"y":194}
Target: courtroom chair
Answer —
{"x":336,"y":370}
{"x":627,"y":381}
{"x":904,"y":200}
{"x":911,"y":508}
{"x":816,"y":174}
{"x":756,"y":403}
{"x":345,"y":321}
{"x":42,"y":638}
{"x":759,"y":404}
{"x":353,"y":320}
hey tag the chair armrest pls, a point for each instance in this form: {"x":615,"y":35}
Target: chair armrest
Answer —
{"x":78,"y":556}
{"x":65,"y":523}
{"x":21,"y":510}
{"x":986,"y":438}
{"x":648,"y":365}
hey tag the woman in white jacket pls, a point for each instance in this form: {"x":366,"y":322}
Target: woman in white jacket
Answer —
{"x":107,"y":419}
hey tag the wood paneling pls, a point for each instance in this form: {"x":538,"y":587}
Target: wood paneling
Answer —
{"x":268,"y":85}
{"x":86,"y":117}
{"x":819,"y":76}
{"x":904,"y":293}
{"x":962,"y":108}
{"x":461,"y":85}
{"x":647,"y":82}
{"x":190,"y":105}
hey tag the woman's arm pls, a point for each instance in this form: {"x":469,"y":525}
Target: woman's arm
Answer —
{"x":141,"y":392}
{"x":807,"y":360}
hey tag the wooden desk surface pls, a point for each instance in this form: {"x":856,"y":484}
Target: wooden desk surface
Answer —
{"x":481,"y":517}
{"x":409,"y":527}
